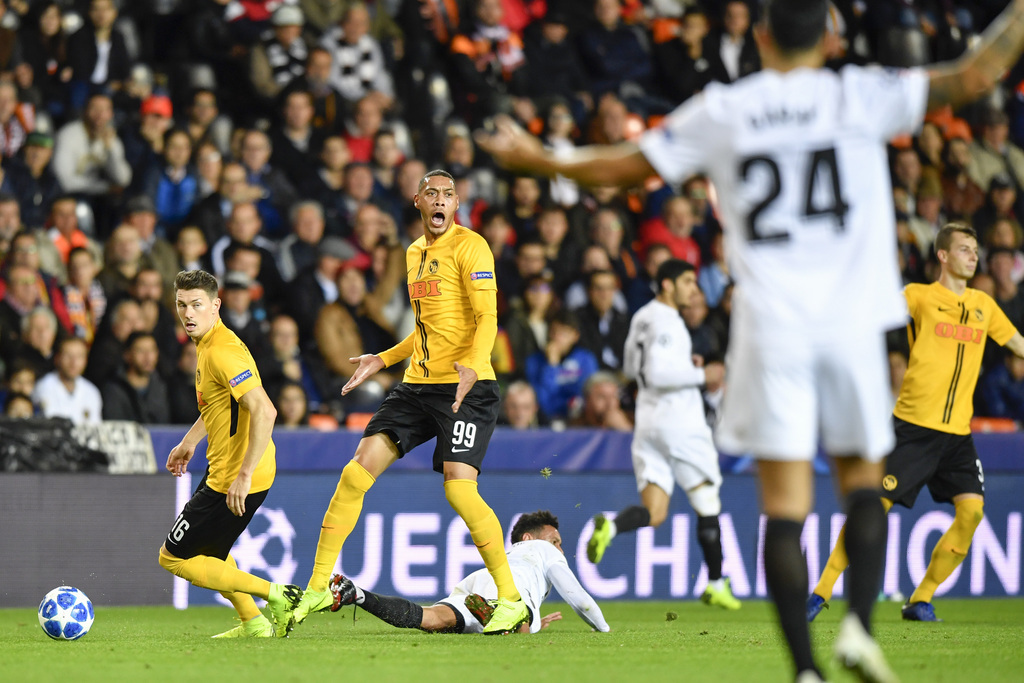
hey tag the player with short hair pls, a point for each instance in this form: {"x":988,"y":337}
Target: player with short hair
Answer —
{"x":797,"y":154}
{"x":947,"y":331}
{"x":237,"y":416}
{"x":449,"y":392}
{"x":672,"y":442}
{"x":537,"y":561}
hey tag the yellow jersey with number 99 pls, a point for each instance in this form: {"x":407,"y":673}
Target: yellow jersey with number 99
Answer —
{"x":442,"y":277}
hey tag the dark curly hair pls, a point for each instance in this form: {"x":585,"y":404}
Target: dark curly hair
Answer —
{"x":533,"y":522}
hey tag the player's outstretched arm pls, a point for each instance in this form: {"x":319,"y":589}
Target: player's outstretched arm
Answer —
{"x":569,"y":587}
{"x":369,"y":365}
{"x":511,"y":146}
{"x":178,"y":458}
{"x":977,"y":71}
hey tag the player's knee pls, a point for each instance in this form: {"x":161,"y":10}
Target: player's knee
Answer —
{"x":170,"y":562}
{"x":658,"y":516}
{"x":970,"y":511}
{"x":705,"y":500}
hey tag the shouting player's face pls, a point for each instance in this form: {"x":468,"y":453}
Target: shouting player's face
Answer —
{"x":437,"y":202}
{"x":197,"y":312}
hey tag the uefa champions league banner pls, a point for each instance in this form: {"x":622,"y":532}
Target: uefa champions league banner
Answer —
{"x":409,"y":541}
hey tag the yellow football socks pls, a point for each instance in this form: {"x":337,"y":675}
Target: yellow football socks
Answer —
{"x":209,"y":572}
{"x":242,"y":602}
{"x":951,"y":549}
{"x":838,"y":562}
{"x":339,"y":520}
{"x":485,"y":530}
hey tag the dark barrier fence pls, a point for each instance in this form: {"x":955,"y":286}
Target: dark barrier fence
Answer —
{"x":102,"y":532}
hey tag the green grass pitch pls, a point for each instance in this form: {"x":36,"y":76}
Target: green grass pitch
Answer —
{"x":981,"y":640}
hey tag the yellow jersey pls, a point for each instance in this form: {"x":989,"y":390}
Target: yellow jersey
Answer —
{"x":454,"y":298}
{"x":947,"y":336}
{"x":226,"y":372}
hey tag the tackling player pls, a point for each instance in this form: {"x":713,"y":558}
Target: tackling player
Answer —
{"x":537,"y":562}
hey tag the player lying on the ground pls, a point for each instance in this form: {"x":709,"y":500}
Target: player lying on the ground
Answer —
{"x":537,"y":563}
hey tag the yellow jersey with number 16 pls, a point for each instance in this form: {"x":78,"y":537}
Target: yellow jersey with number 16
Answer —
{"x":225,"y":372}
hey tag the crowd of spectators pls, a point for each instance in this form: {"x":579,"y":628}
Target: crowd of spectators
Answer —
{"x":279,"y":143}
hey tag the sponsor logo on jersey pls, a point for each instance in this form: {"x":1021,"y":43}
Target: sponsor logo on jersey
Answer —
{"x":889,"y":482}
{"x":961,"y":333}
{"x":238,"y":379}
{"x":482,"y":275}
{"x":418,"y":290}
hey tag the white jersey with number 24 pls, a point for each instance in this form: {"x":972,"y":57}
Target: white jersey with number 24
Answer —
{"x":799,"y":163}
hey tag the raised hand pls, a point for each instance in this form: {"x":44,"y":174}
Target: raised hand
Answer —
{"x":369,"y":364}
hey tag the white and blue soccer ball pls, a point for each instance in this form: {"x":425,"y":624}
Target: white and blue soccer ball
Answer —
{"x":66,"y":613}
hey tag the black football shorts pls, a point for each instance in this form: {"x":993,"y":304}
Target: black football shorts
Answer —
{"x":206,"y":526}
{"x":415,"y":413}
{"x":947,"y":463}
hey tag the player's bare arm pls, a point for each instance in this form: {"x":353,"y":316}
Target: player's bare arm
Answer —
{"x":978,"y":70}
{"x":1016,"y":344}
{"x":180,"y":455}
{"x":369,"y":365}
{"x":622,"y":165}
{"x":262,"y":414}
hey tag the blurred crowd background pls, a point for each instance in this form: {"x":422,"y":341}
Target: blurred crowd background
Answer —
{"x":278,"y":144}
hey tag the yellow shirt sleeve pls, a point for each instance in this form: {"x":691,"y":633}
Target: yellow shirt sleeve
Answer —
{"x":478,"y":276}
{"x":398,"y":352}
{"x":912,"y":293}
{"x":1001,"y":330}
{"x":236,"y":369}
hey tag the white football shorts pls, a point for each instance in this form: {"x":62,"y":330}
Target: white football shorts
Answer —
{"x":666,"y":456}
{"x":780,"y":401}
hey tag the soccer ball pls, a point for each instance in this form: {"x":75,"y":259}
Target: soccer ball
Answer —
{"x":66,"y":613}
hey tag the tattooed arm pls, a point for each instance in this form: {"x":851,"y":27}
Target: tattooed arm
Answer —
{"x":977,"y":71}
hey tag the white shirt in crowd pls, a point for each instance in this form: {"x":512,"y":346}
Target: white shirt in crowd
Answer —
{"x":83,"y":405}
